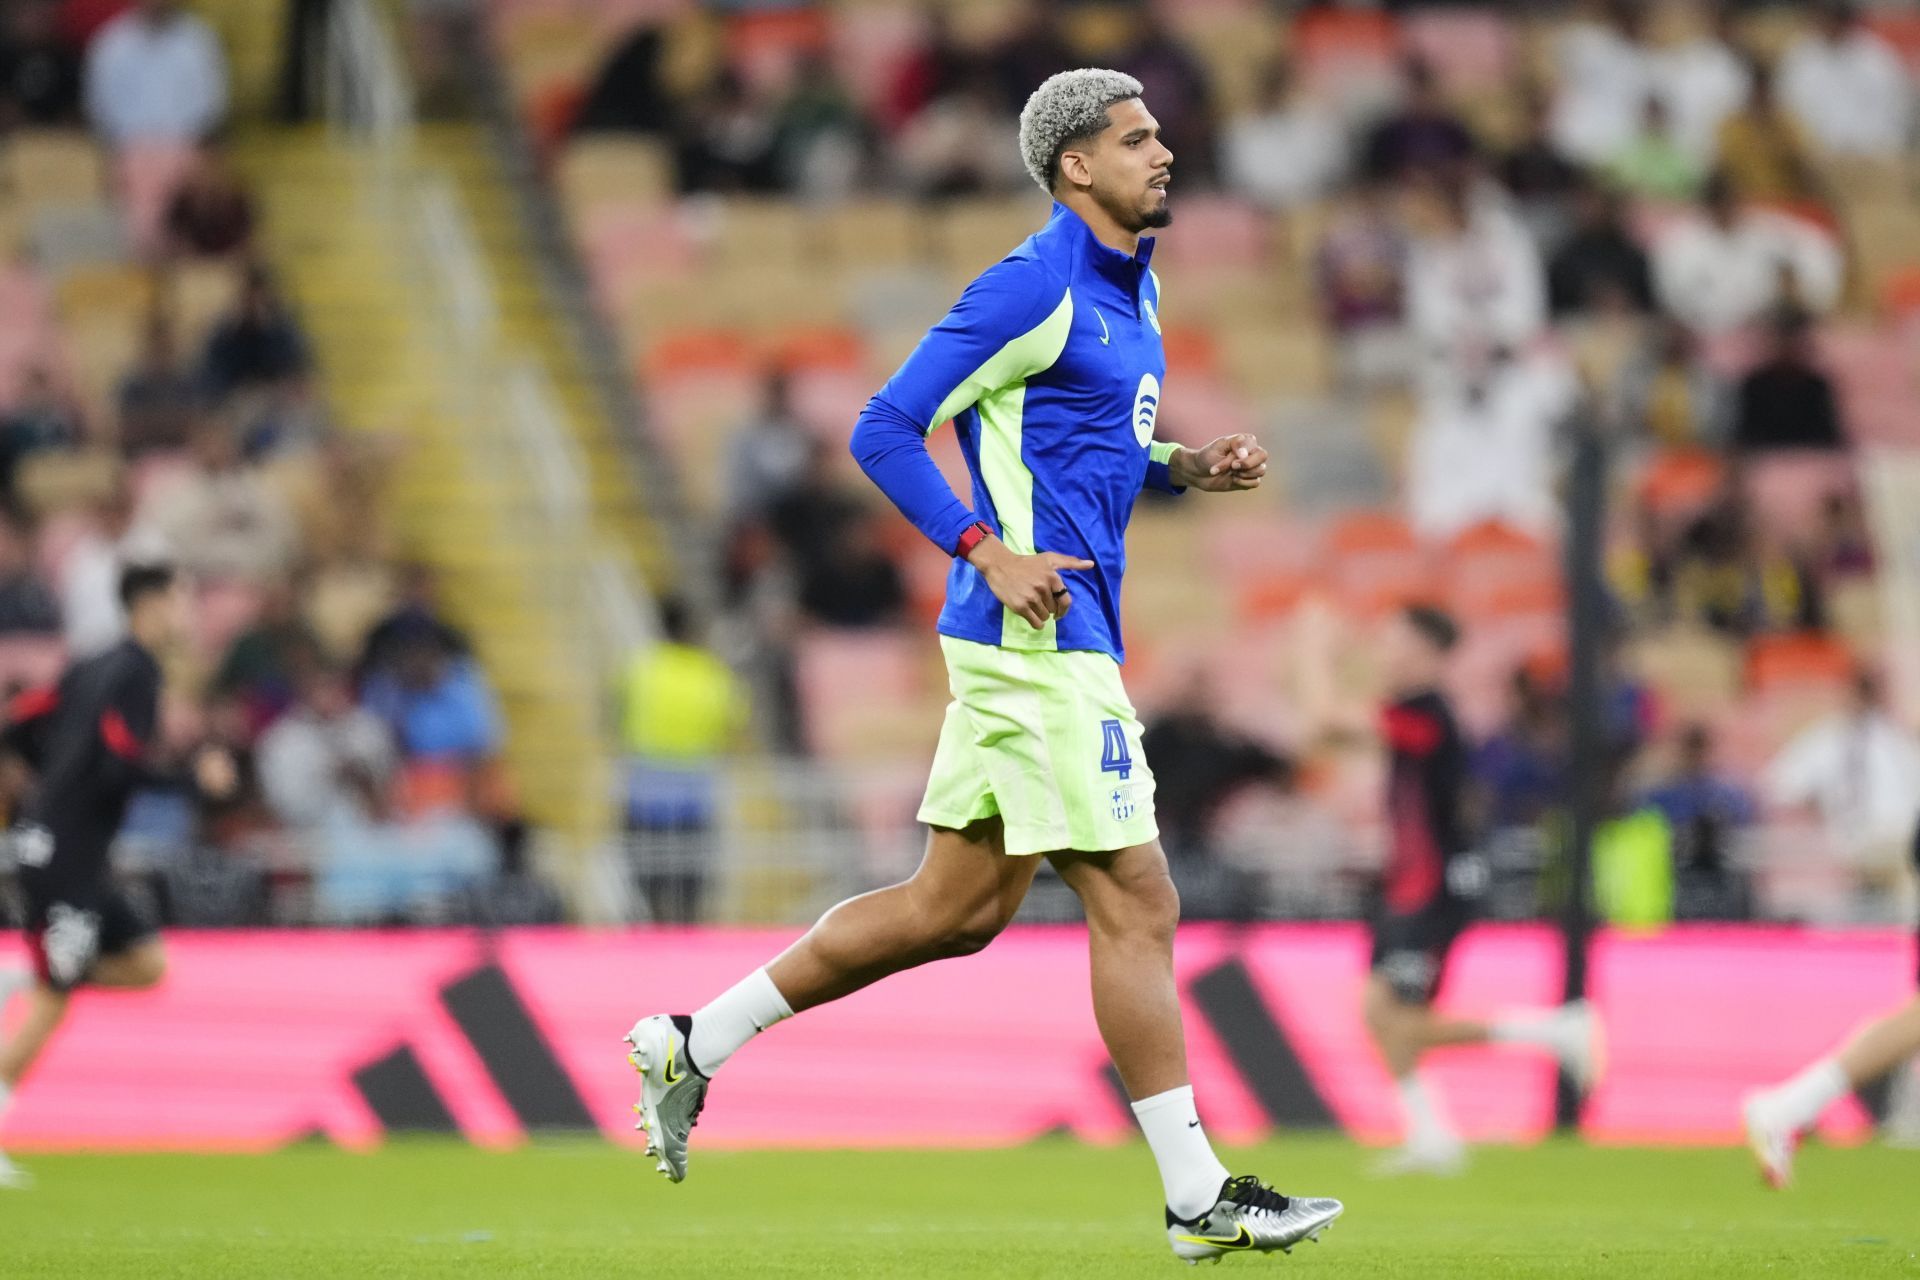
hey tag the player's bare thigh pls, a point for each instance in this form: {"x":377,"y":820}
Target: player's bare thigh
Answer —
{"x":967,"y":880}
{"x":1130,"y":888}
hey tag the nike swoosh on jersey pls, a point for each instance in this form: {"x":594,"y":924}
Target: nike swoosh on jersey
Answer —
{"x":1105,"y":337}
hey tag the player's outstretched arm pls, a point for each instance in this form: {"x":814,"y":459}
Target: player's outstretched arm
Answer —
{"x":1226,"y":465}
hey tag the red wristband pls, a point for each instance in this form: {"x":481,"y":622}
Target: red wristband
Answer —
{"x":972,"y":536}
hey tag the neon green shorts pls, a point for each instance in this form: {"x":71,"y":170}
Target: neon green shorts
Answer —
{"x":1046,"y":740}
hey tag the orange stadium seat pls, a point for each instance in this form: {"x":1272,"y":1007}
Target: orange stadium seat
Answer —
{"x":1376,"y":564}
{"x":1493,"y":569}
{"x":1676,"y":484}
{"x":698,"y":351}
{"x":1805,"y":661}
{"x":1191,"y":352}
{"x":828,"y":347}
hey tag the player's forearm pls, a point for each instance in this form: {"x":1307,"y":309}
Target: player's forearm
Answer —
{"x":893,"y":454}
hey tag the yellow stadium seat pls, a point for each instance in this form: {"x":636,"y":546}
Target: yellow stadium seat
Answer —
{"x":52,"y":166}
{"x":605,"y":167}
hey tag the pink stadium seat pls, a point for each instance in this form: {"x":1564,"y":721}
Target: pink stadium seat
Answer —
{"x":627,"y":244}
{"x":1873,"y":372}
{"x":27,"y":661}
{"x":1792,"y":663}
{"x":227,"y":607}
{"x":828,"y":400}
{"x":871,"y":45}
{"x":1490,"y":651}
{"x":1469,"y":48}
{"x":1218,"y":231}
{"x":59,"y":533}
{"x":1375,"y":564}
{"x":1787,"y":490}
{"x":148,"y":174}
{"x":844,"y":675}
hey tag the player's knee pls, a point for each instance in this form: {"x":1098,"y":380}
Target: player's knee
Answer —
{"x":1151,"y":910}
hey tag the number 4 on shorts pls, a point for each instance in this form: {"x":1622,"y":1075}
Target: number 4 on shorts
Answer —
{"x":1115,"y":757}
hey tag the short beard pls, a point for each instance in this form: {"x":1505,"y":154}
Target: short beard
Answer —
{"x":1161,"y":217}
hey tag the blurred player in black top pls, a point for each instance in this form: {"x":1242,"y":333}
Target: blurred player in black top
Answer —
{"x":1426,"y":894}
{"x":87,"y":744}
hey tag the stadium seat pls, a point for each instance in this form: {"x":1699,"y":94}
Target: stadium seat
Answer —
{"x":605,"y":167}
{"x":147,"y":174}
{"x":1375,"y":564}
{"x":1799,"y":661}
{"x":1786,"y":491}
{"x":43,"y":167}
{"x":1218,"y":231}
{"x":1469,"y":48}
{"x":1678,"y":484}
{"x":1493,"y":569}
{"x":864,"y":695}
{"x":30,"y":661}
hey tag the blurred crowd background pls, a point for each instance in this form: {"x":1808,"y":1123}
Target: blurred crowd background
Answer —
{"x":491,"y":365}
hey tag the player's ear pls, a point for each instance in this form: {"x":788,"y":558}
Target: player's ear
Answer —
{"x":1074,"y":170}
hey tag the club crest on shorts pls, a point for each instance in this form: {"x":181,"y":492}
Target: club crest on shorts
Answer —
{"x":1121,"y":798}
{"x":1146,"y":407}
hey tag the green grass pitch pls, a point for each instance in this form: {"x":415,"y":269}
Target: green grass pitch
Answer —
{"x":1052,"y":1210}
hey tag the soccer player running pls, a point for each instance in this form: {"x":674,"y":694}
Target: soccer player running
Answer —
{"x":89,"y":743}
{"x":1049,"y":367}
{"x":1777,"y":1117}
{"x":1426,"y":898}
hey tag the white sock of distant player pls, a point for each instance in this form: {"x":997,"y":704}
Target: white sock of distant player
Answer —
{"x":1542,"y":1028}
{"x":1189,"y":1170}
{"x":1426,"y":1123}
{"x":734,"y":1017}
{"x":1800,"y":1100}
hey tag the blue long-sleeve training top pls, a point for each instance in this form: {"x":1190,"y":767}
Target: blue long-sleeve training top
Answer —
{"x":1050,"y":367}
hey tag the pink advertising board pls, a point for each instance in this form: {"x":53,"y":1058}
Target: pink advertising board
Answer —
{"x":260,"y":1038}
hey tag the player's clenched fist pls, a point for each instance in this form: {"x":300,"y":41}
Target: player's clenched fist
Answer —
{"x":1031,"y":586}
{"x":1229,"y":463}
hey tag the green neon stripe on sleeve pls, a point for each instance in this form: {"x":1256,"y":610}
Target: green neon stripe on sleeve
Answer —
{"x":1030,"y":353}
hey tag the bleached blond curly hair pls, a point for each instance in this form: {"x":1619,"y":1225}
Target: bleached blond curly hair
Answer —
{"x":1068,"y":107}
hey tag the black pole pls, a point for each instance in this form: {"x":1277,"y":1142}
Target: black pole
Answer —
{"x":1587,"y":624}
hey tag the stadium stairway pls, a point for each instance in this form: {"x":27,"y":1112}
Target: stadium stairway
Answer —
{"x":432,"y":328}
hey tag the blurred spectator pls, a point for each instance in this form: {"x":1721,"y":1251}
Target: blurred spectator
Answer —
{"x":221,"y":518}
{"x":1842,"y":547}
{"x":774,"y":451}
{"x":158,"y":397}
{"x":264,"y":663}
{"x":39,"y":68}
{"x":1633,"y":874}
{"x":1175,"y":82}
{"x":1786,"y":402}
{"x":418,"y":609}
{"x":1289,"y":150}
{"x":1654,"y":163}
{"x":1502,"y":413}
{"x":1360,"y":277}
{"x":258,"y":345}
{"x":938,"y":68}
{"x":1422,"y":136}
{"x":1600,"y":258}
{"x":27,"y":604}
{"x":1475,"y":284}
{"x":810,"y":514}
{"x":1723,"y":573}
{"x":1727,"y":267}
{"x":1665,"y":392}
{"x":42,"y":418}
{"x":956,"y":146}
{"x":681,"y":711}
{"x":1702,"y":80}
{"x":1604,"y":73}
{"x":725,"y":140}
{"x":1538,"y":174}
{"x":1035,"y":49}
{"x":328,"y":769}
{"x":327,"y":762}
{"x":820,"y":139}
{"x":438,"y":705}
{"x":156,"y":74}
{"x":629,"y":92}
{"x":1706,"y":812}
{"x":1847,"y":86}
{"x":1521,"y":769}
{"x":1199,"y":766}
{"x":1859,"y":770}
{"x":1764,"y":151}
{"x":90,"y":585}
{"x":210,"y":214}
{"x":853,"y":582}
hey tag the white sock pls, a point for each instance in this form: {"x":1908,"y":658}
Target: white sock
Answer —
{"x":1189,"y":1170}
{"x":1425,"y":1121}
{"x":1542,"y":1028}
{"x":1803,"y":1098}
{"x":734,"y":1017}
